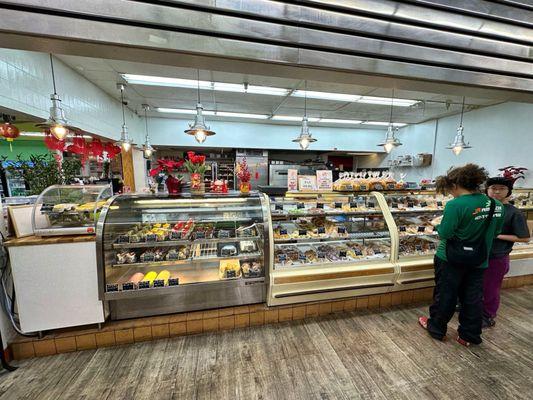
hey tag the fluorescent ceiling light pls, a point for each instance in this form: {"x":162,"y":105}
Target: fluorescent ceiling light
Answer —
{"x":291,"y":118}
{"x":377,"y":123}
{"x":387,"y":101}
{"x":267,"y":90}
{"x":213,"y":113}
{"x":339,"y":121}
{"x":41,"y":134}
{"x":326,"y":96}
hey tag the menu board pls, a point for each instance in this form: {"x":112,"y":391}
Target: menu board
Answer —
{"x":324,"y":180}
{"x":307,"y":183}
{"x":292,"y":180}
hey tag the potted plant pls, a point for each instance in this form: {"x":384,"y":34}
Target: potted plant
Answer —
{"x":244,"y":176}
{"x":195,"y":164}
{"x":163,"y":174}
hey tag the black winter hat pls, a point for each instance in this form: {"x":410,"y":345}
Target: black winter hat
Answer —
{"x":500,"y":180}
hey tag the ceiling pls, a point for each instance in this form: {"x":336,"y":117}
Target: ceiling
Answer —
{"x":105,"y":74}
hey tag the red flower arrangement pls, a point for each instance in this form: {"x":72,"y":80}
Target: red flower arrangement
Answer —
{"x":166,"y":166}
{"x":195,"y":163}
{"x":243,"y":173}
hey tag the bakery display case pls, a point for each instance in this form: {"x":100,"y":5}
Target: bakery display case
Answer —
{"x":69,"y":209}
{"x":328,"y":245}
{"x":161,"y":255}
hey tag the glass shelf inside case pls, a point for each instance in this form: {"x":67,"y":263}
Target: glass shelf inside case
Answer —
{"x":69,"y":209}
{"x":152,"y":245}
{"x":414,"y":213}
{"x":328,"y":230}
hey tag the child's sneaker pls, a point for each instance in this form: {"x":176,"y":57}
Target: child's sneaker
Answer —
{"x":487,"y":322}
{"x":463,"y":342}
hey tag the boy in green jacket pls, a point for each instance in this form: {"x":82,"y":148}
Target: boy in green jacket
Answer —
{"x":464,"y":220}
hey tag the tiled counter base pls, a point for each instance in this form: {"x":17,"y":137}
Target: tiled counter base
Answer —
{"x":115,"y":333}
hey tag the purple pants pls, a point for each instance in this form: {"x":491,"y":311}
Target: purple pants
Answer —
{"x":492,"y":284}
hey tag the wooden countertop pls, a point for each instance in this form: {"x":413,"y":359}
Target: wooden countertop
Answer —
{"x":39,"y":240}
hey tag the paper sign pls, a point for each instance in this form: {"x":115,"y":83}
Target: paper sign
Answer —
{"x":307,"y":183}
{"x":324,"y":180}
{"x":292,"y":180}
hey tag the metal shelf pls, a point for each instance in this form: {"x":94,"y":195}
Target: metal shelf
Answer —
{"x":172,"y":243}
{"x":155,"y":264}
{"x":329,"y":239}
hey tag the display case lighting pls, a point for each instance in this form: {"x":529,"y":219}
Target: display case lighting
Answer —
{"x":339,"y":121}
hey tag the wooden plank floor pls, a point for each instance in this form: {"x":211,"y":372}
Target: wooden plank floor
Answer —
{"x":342,"y":356}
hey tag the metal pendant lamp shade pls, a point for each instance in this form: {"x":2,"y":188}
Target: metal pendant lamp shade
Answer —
{"x":57,"y":122}
{"x":199,"y":129}
{"x":125,"y":140}
{"x":459,"y":143}
{"x":305,"y":138}
{"x":148,"y":150}
{"x":390,"y":140}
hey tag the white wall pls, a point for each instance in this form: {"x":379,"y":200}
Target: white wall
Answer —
{"x":26,"y":85}
{"x":170,"y":132}
{"x":500,"y":135}
{"x":139,"y":170}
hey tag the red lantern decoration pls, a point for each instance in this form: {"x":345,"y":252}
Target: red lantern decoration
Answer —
{"x":52,"y":143}
{"x":112,"y":150}
{"x":10,"y":132}
{"x":96,"y":147}
{"x":78,"y":145}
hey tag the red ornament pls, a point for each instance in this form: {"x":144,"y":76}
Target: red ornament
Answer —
{"x":111,"y":149}
{"x":10,"y":132}
{"x":96,"y":148}
{"x":52,"y":143}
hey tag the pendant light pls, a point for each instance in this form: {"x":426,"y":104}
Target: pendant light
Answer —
{"x":459,"y":141}
{"x":148,"y":150}
{"x":125,"y":140}
{"x":56,"y":122}
{"x":199,"y":129}
{"x":305,"y":138}
{"x":390,"y":140}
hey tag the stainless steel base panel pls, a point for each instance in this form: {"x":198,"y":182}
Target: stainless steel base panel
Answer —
{"x":189,"y":298}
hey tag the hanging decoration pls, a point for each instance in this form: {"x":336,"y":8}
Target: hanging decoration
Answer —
{"x":199,"y":129}
{"x":54,"y":144}
{"x":459,"y":143}
{"x":56,"y":123}
{"x":9,"y":131}
{"x":305,"y":138}
{"x":390,"y":140}
{"x":111,"y":150}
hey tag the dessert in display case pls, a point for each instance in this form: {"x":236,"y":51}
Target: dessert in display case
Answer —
{"x":523,"y":199}
{"x":69,"y":209}
{"x":161,"y":255}
{"x":328,"y":245}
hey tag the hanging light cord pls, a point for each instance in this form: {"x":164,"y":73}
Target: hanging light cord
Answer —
{"x":53,"y":74}
{"x":462,"y":111}
{"x":146,"y":121}
{"x":391,"y":106}
{"x":198,"y":75}
{"x":305,"y":99}
{"x":122,"y":103}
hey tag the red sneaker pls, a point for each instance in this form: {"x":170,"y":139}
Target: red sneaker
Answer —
{"x":423,"y":321}
{"x":463,"y":342}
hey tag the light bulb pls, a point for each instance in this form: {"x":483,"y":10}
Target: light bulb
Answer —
{"x":200,"y":136}
{"x":126,"y":146}
{"x":59,"y":131}
{"x":457,"y":150}
{"x":304,"y":143}
{"x":388,"y":147}
{"x":148,"y":153}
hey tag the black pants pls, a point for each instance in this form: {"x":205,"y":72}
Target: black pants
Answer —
{"x":451,"y":283}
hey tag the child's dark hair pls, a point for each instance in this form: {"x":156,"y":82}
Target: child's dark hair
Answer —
{"x":469,"y":177}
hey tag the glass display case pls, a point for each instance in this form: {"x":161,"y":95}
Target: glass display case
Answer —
{"x":523,"y":199}
{"x":328,"y":245}
{"x":172,"y":254}
{"x":413,"y":214}
{"x":69,"y":209}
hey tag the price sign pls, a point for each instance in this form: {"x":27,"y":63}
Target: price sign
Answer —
{"x":524,"y":202}
{"x":348,"y":187}
{"x":283,"y":231}
{"x":341,"y":229}
{"x":148,"y":257}
{"x":174,"y":235}
{"x":173,"y":256}
{"x":307,"y":183}
{"x":292,"y":180}
{"x":394,"y":205}
{"x":302,"y":257}
{"x":144,"y":284}
{"x":363,"y":187}
{"x":151,"y":237}
{"x":302,"y":232}
{"x":342,"y":254}
{"x":199,"y":235}
{"x":353,"y":204}
{"x":421,"y":229}
{"x":321,"y":231}
{"x":127,"y":286}
{"x":223,"y":234}
{"x":432,"y":246}
{"x":403,"y":229}
{"x":391,"y":186}
{"x":282,"y":257}
{"x":377,"y":251}
{"x":299,"y":206}
{"x":123,"y":239}
{"x":324,"y":180}
{"x":321,"y":254}
{"x":378,"y":186}
{"x":358,"y":252}
{"x":410,"y":204}
{"x":338,"y":205}
{"x":439,"y":204}
{"x":278,"y":207}
{"x":371,"y":204}
{"x":418,"y":247}
{"x":424,"y":204}
{"x":320,"y":205}
{"x":231,"y":274}
{"x":111,"y":287}
{"x":159,"y":283}
{"x":173,"y":281}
